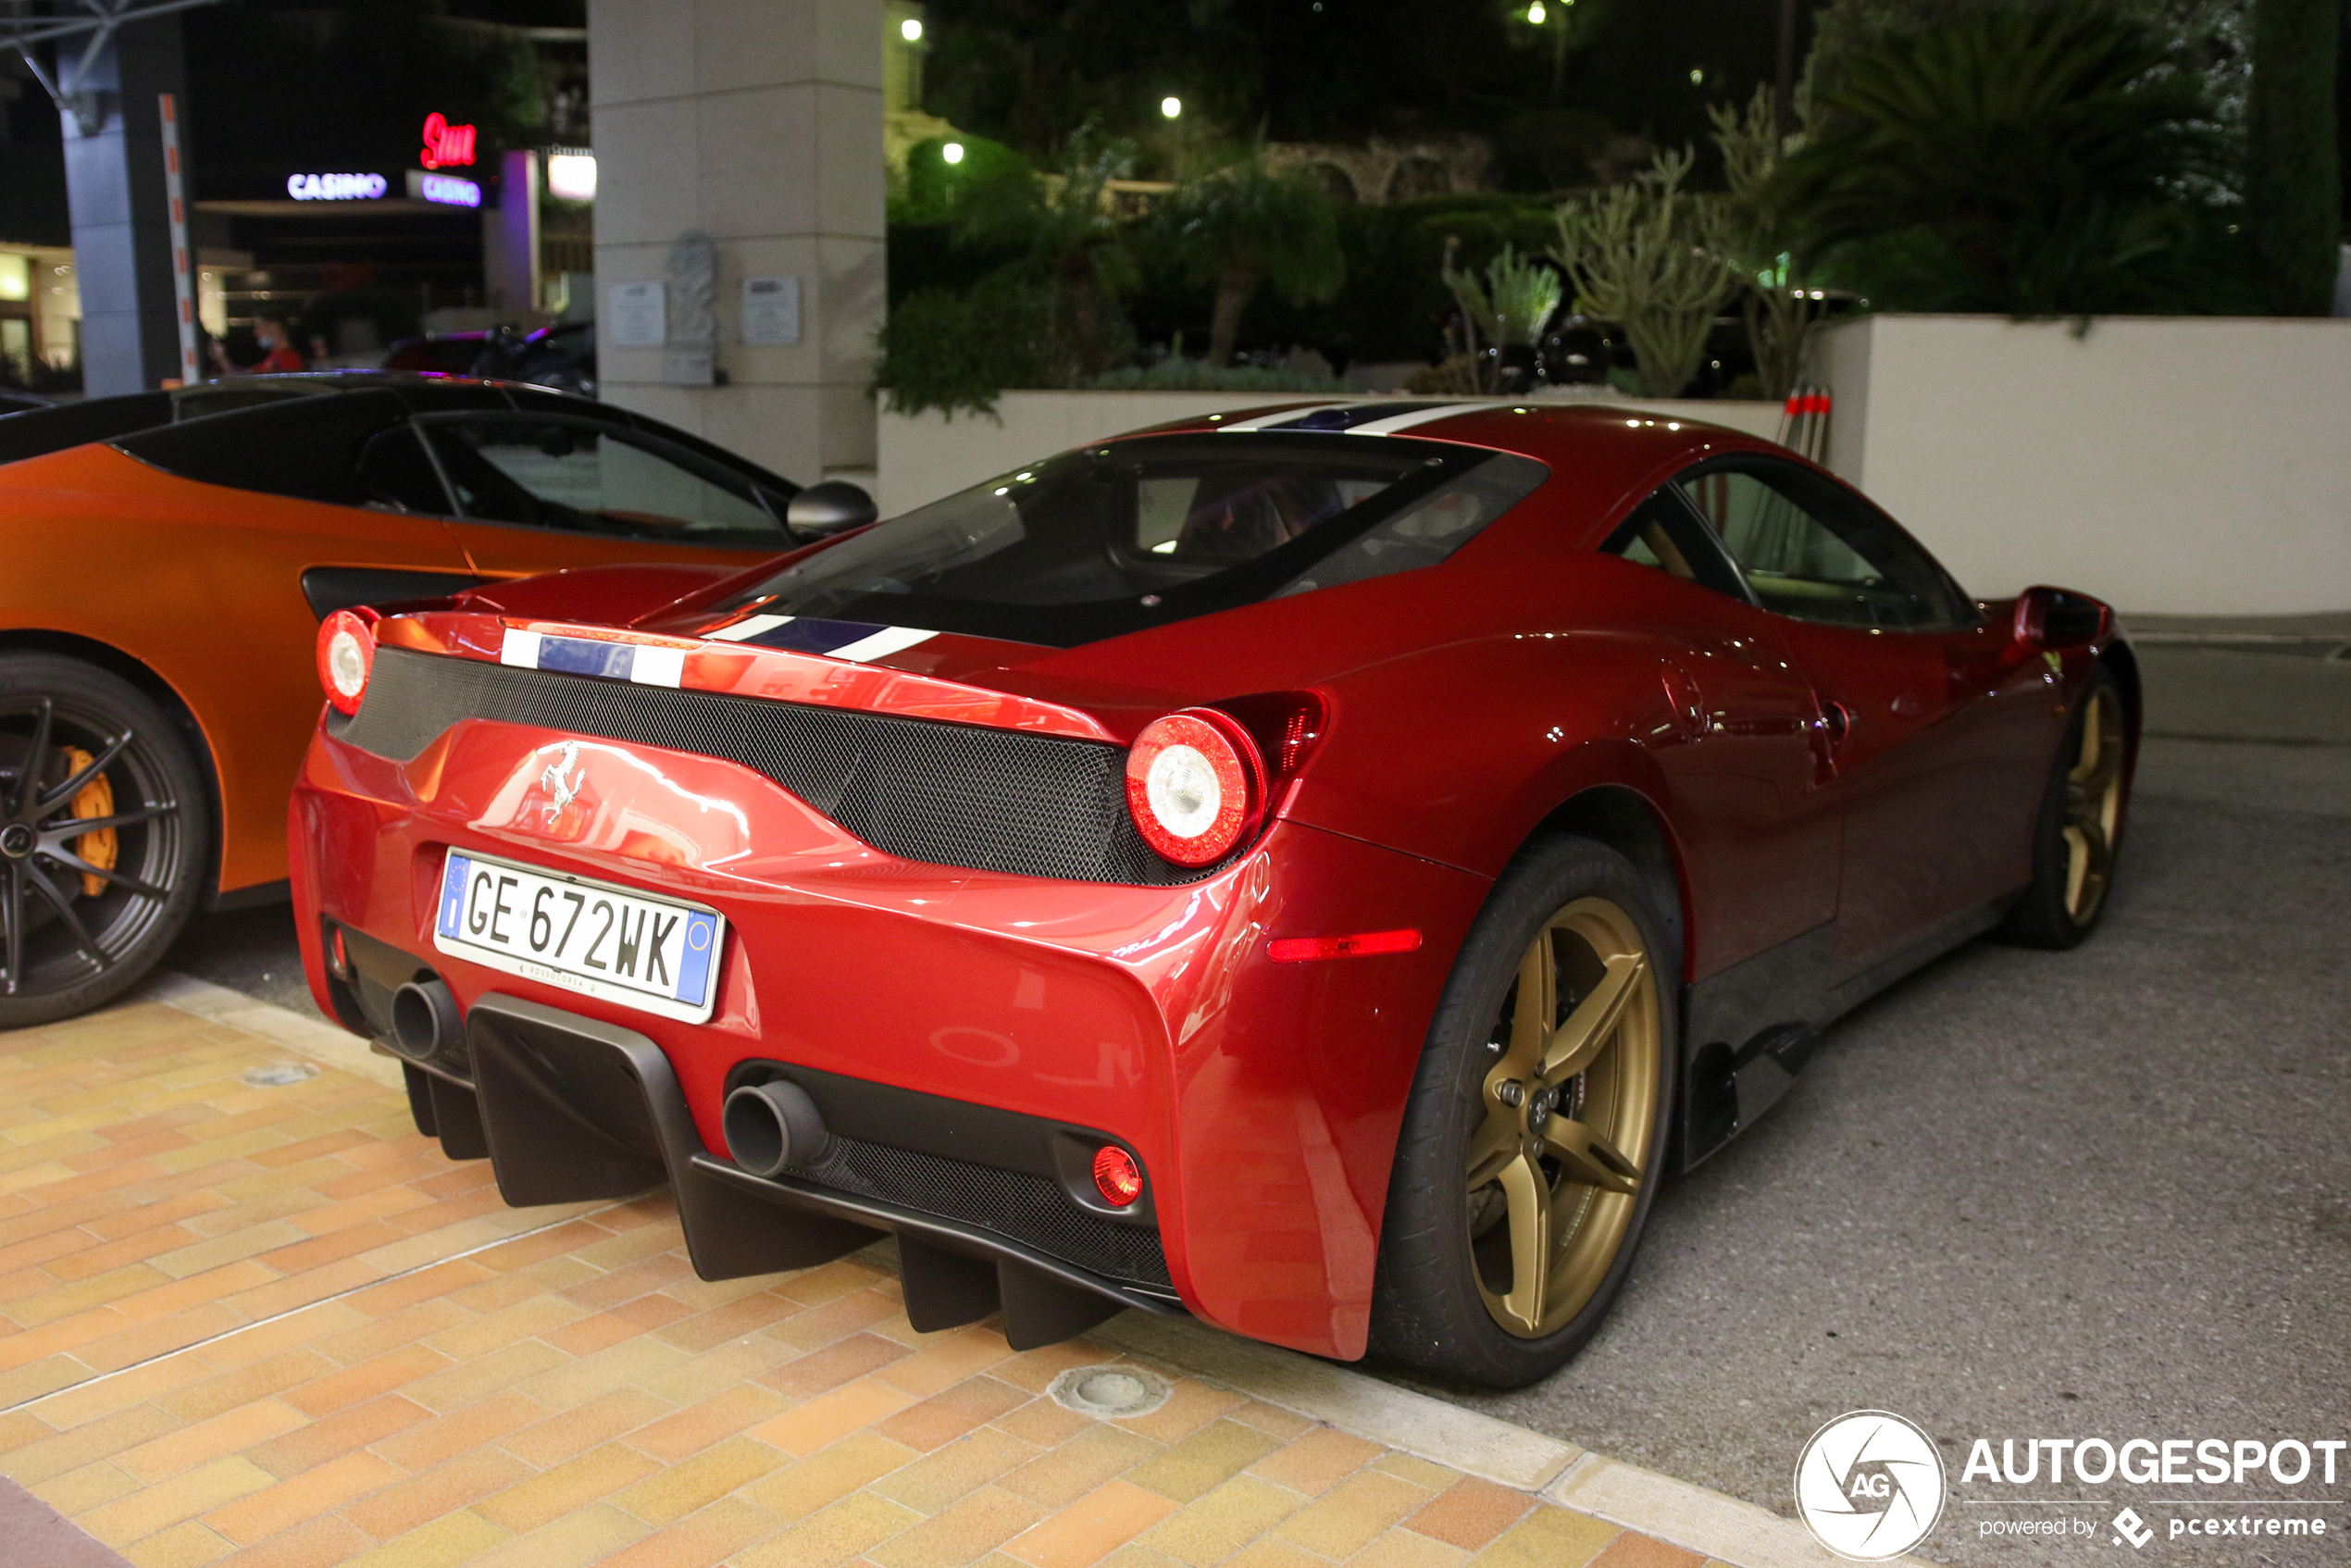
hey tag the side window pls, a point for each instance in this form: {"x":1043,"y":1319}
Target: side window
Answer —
{"x":1812,"y":553}
{"x":586,"y":477}
{"x":398,"y":476}
{"x":308,"y":448}
{"x":1661,"y":533}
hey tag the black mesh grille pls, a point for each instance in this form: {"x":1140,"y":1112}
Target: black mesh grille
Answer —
{"x":951,"y":794}
{"x":1014,"y":1205}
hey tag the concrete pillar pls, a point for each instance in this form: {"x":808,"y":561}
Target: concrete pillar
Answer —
{"x":121,"y":224}
{"x":758,"y":122}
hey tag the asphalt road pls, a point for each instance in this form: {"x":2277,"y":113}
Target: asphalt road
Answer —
{"x":2105,"y":1193}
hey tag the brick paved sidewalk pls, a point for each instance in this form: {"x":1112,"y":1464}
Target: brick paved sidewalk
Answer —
{"x":266,"y":1322}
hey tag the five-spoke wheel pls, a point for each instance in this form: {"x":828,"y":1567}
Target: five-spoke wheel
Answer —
{"x":2092,"y":803}
{"x":1556,"y":1163}
{"x":1544,"y":1093}
{"x":103,"y":834}
{"x":2079,"y":831}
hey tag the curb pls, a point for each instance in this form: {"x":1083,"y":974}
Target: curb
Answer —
{"x":322,"y":1042}
{"x":1720,"y":1526}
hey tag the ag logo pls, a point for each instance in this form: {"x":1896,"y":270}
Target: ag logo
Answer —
{"x":1870,"y":1486}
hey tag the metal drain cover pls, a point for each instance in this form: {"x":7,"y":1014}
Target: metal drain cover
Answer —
{"x":1110,"y":1393}
{"x":278,"y":1074}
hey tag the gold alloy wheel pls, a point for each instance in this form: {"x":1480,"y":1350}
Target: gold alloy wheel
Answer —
{"x":1555,"y":1161}
{"x":2093,"y":805}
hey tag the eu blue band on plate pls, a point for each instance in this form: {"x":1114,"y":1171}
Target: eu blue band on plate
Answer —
{"x":453,"y":894}
{"x":693,"y":964}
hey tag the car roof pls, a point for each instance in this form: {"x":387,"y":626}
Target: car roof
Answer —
{"x":1606,"y":454}
{"x":45,"y":431}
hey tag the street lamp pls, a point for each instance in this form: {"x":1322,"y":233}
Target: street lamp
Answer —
{"x":951,"y":153}
{"x":1171,"y":107}
{"x":910,"y":30}
{"x":1537,"y":14}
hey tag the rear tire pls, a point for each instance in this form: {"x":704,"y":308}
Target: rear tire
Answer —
{"x":85,"y":912}
{"x":2077,"y":835}
{"x":1536,"y":1137}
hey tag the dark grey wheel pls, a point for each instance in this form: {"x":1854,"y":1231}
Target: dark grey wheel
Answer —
{"x":1536,"y":1137}
{"x":103,"y":837}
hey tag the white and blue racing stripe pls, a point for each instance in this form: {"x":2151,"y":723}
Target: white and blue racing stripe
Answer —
{"x":855,"y":641}
{"x":1384,"y":417}
{"x":646,"y":665}
{"x":641,"y":663}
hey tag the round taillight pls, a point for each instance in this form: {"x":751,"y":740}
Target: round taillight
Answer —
{"x":1116,"y":1176}
{"x":1195,"y":785}
{"x":347,"y":657}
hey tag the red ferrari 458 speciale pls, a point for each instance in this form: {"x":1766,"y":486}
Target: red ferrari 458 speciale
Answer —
{"x":1319,"y":871}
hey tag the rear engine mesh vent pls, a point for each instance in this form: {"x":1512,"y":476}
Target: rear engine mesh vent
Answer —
{"x":948,"y":794}
{"x":1014,"y":1205}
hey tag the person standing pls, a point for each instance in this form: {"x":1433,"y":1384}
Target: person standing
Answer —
{"x":271,"y":330}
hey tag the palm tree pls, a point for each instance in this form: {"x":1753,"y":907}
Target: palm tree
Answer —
{"x":1243,"y":229}
{"x":2034,"y":162}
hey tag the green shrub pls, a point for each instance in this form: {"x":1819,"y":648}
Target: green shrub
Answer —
{"x":952,"y":351}
{"x":2034,"y":163}
{"x":1395,"y":304}
{"x":934,"y":188}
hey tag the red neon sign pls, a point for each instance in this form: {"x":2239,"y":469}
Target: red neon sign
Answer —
{"x":446,"y":145}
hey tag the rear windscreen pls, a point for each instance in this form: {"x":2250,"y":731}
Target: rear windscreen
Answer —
{"x":45,"y":431}
{"x":1100,"y":542}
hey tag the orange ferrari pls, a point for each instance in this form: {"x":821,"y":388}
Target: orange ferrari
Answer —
{"x":169,"y":558}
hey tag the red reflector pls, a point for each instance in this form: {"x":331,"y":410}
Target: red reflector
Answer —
{"x":1364,"y":944}
{"x":1116,"y":1176}
{"x":341,"y":965}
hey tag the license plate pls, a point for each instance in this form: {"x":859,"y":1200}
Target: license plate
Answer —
{"x":651,"y":954}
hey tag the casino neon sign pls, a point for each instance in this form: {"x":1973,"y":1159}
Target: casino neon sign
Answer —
{"x":336,"y":187}
{"x":446,"y":145}
{"x":447,"y":189}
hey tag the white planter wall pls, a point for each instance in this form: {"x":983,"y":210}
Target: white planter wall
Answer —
{"x":2190,"y":466}
{"x":927,"y":455}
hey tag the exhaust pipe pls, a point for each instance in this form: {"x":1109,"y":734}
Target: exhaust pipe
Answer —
{"x":774,"y":1124}
{"x":425,"y":1020}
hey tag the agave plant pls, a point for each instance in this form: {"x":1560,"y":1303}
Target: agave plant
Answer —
{"x":1652,"y":259}
{"x":1514,"y":303}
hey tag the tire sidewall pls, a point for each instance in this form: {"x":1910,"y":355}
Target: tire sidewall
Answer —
{"x":86,"y":685}
{"x":1427,"y":1310}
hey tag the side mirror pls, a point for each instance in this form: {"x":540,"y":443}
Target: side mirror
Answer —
{"x":2054,"y":618}
{"x":823,"y":510}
